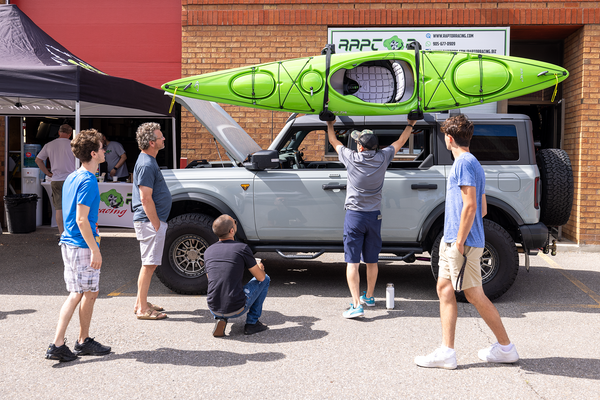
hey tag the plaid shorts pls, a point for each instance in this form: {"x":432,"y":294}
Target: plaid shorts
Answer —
{"x":80,"y":277}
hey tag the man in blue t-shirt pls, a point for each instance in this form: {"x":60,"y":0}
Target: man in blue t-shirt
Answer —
{"x":362,"y":222}
{"x":80,"y":249}
{"x":227,"y":297}
{"x":461,"y":249}
{"x":151,"y":203}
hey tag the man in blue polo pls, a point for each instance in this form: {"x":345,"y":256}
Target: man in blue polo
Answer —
{"x":362,"y":224}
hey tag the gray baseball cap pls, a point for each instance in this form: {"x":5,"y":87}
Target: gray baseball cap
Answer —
{"x":366,"y":138}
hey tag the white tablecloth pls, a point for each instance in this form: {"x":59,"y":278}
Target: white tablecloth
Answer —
{"x":115,"y":204}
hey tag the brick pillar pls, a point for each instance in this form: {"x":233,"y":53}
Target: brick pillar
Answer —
{"x":582,"y":132}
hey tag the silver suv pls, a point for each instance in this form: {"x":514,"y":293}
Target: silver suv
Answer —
{"x":285,"y":202}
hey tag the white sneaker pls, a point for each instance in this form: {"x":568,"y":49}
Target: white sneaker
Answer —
{"x":496,"y":355}
{"x":440,"y":358}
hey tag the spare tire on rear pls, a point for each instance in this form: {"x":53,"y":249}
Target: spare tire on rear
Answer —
{"x":556,"y":175}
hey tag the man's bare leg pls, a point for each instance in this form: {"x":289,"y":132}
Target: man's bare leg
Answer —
{"x":59,"y":221}
{"x":85,"y":314}
{"x":372,"y":271}
{"x":448,"y":311}
{"x":353,"y":277}
{"x":488,"y":312}
{"x":141,"y":304}
{"x":66,"y":313}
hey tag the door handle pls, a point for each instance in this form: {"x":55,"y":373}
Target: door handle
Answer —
{"x":423,"y":186}
{"x":332,"y":186}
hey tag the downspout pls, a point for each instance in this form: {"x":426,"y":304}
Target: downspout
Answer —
{"x":174,"y":143}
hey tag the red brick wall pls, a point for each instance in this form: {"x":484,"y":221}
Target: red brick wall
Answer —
{"x":221,"y":34}
{"x":582,"y":132}
{"x":212,"y":48}
{"x":573,"y":95}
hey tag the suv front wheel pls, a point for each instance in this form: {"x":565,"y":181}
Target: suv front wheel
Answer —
{"x":182,"y":269}
{"x":499,"y":262}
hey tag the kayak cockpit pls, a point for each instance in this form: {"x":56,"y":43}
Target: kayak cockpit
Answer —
{"x":376,"y":81}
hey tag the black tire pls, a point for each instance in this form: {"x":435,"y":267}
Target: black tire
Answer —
{"x":182,"y":269}
{"x":499,"y":262}
{"x":556,"y":175}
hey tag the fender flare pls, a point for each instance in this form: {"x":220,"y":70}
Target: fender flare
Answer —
{"x":212,"y":201}
{"x":506,"y":208}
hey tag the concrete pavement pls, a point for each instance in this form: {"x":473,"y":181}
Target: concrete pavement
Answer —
{"x":551,"y":313}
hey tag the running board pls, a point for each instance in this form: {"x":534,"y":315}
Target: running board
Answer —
{"x":299,"y":256}
{"x":397,"y":258}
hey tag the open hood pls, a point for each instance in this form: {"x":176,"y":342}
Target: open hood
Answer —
{"x":234,"y":139}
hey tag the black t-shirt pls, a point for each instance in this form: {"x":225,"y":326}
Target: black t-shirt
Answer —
{"x":225,"y":265}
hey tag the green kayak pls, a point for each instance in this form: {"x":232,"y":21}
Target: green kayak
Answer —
{"x":373,"y":83}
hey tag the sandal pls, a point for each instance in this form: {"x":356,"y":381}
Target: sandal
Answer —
{"x":152,"y":307}
{"x":152,"y":314}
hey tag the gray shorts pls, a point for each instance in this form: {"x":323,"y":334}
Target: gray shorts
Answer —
{"x":152,"y":242}
{"x":80,"y":277}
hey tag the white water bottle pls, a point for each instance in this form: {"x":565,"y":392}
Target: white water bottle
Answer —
{"x":389,"y":296}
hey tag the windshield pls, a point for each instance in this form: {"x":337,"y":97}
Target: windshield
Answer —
{"x":308,"y":147}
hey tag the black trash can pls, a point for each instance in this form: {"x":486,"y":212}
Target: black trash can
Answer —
{"x":20,"y":212}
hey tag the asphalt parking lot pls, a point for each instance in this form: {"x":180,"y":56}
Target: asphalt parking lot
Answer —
{"x":551,"y":313}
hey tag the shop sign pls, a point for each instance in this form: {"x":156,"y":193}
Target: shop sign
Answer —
{"x":115,"y":205}
{"x":490,"y":40}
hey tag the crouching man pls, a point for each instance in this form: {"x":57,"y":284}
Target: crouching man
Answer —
{"x":225,"y":262}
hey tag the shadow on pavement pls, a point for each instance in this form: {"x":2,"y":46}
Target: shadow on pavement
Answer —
{"x":4,"y":314}
{"x":192,"y":358}
{"x":571,"y":367}
{"x":301,"y":332}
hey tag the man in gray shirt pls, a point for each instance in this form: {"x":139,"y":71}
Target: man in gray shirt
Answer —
{"x":362,"y":224}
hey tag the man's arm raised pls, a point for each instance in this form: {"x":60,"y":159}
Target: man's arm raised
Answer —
{"x":404,"y":136}
{"x":331,"y":136}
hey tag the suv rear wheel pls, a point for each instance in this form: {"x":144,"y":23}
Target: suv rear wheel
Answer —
{"x":499,"y":262}
{"x":182,"y":269}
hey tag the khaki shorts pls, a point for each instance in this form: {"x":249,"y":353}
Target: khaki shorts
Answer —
{"x":57,"y":187}
{"x":152,"y":242}
{"x":451,"y":262}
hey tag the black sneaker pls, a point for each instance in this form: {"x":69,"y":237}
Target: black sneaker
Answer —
{"x":220,"y":325}
{"x":91,"y":347}
{"x":61,"y":353}
{"x":251,"y":329}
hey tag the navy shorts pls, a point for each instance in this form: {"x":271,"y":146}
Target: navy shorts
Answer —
{"x":362,"y":236}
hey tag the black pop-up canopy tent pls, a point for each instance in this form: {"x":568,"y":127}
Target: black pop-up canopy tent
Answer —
{"x":38,"y":76}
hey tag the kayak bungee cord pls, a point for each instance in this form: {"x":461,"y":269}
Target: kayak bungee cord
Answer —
{"x":282,"y":104}
{"x":480,"y":78}
{"x":441,"y":82}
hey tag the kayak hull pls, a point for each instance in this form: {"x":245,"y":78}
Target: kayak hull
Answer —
{"x":373,"y":83}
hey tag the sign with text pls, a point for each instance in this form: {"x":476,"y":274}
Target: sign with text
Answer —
{"x":471,"y":40}
{"x":492,"y":41}
{"x":115,"y":205}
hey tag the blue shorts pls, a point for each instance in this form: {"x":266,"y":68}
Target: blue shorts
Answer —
{"x":362,"y":236}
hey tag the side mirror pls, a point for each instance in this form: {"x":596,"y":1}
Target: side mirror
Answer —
{"x":263,"y":159}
